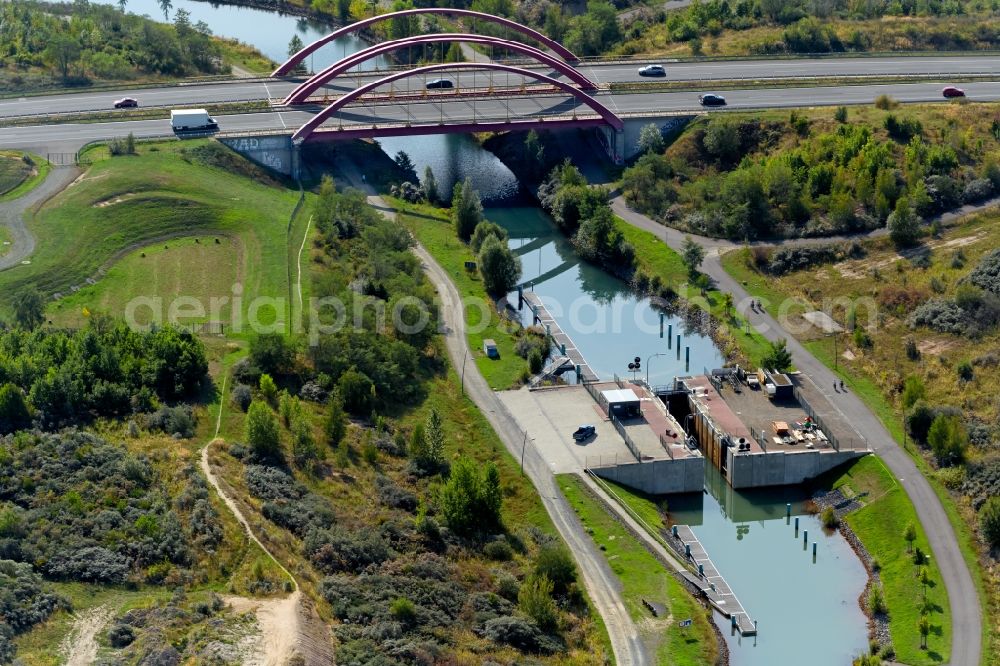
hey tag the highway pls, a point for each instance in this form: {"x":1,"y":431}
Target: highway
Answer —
{"x":601,"y":73}
{"x":70,"y":136}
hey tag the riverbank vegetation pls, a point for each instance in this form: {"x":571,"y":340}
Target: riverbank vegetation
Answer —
{"x":45,"y":45}
{"x":646,"y":579}
{"x":921,"y":330}
{"x":819,"y":172}
{"x":761,"y":28}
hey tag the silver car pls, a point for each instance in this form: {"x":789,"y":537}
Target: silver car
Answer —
{"x":652,"y":70}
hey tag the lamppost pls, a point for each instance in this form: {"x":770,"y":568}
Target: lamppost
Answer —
{"x":651,"y":357}
{"x":635,"y":366}
{"x":464,"y":359}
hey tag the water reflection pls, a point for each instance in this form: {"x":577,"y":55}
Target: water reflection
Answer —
{"x":268,"y":31}
{"x":798,"y":602}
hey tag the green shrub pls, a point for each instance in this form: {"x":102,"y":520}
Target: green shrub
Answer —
{"x":535,"y":600}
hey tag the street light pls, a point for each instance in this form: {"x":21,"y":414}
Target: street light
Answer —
{"x":647,"y":364}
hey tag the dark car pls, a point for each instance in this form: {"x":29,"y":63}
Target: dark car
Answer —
{"x":712,"y":100}
{"x":952,"y":91}
{"x":127,"y":103}
{"x":438,"y":84}
{"x":584,"y":432}
{"x":652,"y":70}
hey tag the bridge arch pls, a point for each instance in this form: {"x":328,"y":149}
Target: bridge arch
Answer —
{"x":606,"y":114}
{"x":554,"y":46}
{"x":302,"y":92}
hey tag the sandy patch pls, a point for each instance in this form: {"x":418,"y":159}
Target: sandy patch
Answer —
{"x":80,"y":645}
{"x":935,"y":347}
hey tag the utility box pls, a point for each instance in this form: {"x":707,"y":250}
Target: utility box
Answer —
{"x":490,"y":348}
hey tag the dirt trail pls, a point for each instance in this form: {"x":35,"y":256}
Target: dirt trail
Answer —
{"x":80,"y":645}
{"x":289,"y":626}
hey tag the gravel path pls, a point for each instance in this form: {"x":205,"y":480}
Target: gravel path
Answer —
{"x":12,"y":214}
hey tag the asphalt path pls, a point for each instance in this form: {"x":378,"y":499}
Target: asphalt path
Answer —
{"x":70,"y":136}
{"x":617,"y":72}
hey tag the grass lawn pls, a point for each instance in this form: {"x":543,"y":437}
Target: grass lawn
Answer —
{"x":17,"y":178}
{"x":167,"y":192}
{"x":4,"y":241}
{"x":195,"y":267}
{"x":643,"y":577}
{"x":247,"y":58}
{"x":657,"y":260}
{"x":433,"y":229}
{"x":880,"y":524}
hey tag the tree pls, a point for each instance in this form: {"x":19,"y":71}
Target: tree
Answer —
{"x":122,"y":4}
{"x":454,"y":53}
{"x":165,"y":6}
{"x":61,"y":52}
{"x":430,"y":186}
{"x":304,"y":449}
{"x":913,"y":390}
{"x":692,"y":254}
{"x":470,"y":501}
{"x":29,"y":309}
{"x":650,"y":139}
{"x":989,"y":521}
{"x":433,"y":453}
{"x":14,"y":413}
{"x":924,"y":627}
{"x":924,"y":577}
{"x":294,"y":46}
{"x":406,"y":167}
{"x":727,"y":302}
{"x":261,"y":431}
{"x":903,"y":224}
{"x":336,"y":421}
{"x":358,"y":392}
{"x":343,"y":9}
{"x":777,"y":357}
{"x":722,"y":139}
{"x":910,"y":535}
{"x":484,"y":230}
{"x":466,"y":209}
{"x":947,"y":438}
{"x":499,"y":267}
{"x":272,"y":353}
{"x":268,"y":389}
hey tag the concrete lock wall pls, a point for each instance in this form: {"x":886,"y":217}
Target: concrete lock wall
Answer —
{"x":659,"y":476}
{"x":668,"y":125}
{"x":780,"y":468}
{"x":274,"y":152}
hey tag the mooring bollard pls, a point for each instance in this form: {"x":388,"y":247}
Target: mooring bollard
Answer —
{"x":733,"y":620}
{"x":805,"y":538}
{"x":562,"y":348}
{"x":670,"y":334}
{"x":687,"y":359}
{"x":661,"y":324}
{"x":788,"y":511}
{"x":687,"y":549}
{"x":701,"y":570}
{"x":673,"y":530}
{"x":814,"y":551}
{"x":796,"y":524}
{"x":678,"y":347}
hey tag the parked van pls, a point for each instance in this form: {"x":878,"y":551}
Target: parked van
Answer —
{"x":192,"y":119}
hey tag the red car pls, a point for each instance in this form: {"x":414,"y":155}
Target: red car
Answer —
{"x":127,"y":103}
{"x":952,"y":91}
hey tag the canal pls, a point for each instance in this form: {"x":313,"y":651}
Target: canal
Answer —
{"x":807,"y":611}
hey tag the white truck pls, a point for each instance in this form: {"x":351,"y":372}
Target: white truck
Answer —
{"x":191,"y":119}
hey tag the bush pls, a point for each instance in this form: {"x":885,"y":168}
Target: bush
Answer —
{"x":498,"y":551}
{"x":829,"y":518}
{"x":989,"y":521}
{"x":977,"y":190}
{"x":242,"y":396}
{"x":404,"y":611}
{"x":484,"y":230}
{"x":499,"y":267}
{"x":876,"y":601}
{"x":556,"y":564}
{"x":986,"y":274}
{"x":535,"y":601}
{"x":176,"y":421}
{"x":885,"y":102}
{"x":471,"y":500}
{"x":535,"y":362}
{"x":121,"y":635}
{"x":516,"y":632}
{"x":942,"y":315}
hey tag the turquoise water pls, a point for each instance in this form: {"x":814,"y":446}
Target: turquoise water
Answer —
{"x":807,"y":611}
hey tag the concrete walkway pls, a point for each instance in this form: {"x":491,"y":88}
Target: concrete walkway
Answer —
{"x":12,"y":214}
{"x":966,"y":612}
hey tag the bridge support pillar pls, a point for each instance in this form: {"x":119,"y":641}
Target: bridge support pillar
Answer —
{"x":614,"y":143}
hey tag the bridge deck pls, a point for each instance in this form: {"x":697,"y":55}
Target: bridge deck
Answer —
{"x":713,"y":585}
{"x":543,"y":317}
